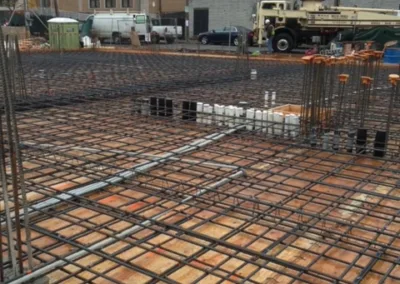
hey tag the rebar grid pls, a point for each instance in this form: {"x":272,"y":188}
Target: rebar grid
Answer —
{"x":299,"y":214}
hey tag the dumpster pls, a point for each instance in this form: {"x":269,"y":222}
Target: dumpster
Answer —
{"x":392,"y":56}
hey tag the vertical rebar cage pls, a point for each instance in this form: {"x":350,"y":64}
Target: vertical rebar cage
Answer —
{"x":15,"y":218}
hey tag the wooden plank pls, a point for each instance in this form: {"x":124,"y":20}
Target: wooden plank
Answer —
{"x":154,"y":262}
{"x":186,"y":275}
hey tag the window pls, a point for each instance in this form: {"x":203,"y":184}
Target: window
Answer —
{"x":126,"y":4}
{"x":94,"y":4}
{"x":230,"y":29}
{"x":156,"y":22}
{"x":140,"y":19}
{"x":269,"y":6}
{"x":46,"y":3}
{"x":110,"y":4}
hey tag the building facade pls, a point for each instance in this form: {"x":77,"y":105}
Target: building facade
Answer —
{"x":90,"y":6}
{"x":211,"y":14}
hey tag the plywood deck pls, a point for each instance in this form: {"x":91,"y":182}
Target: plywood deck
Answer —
{"x":298,"y":216}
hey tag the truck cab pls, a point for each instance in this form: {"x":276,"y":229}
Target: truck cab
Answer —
{"x":285,"y":17}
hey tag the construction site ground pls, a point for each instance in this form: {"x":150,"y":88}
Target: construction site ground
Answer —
{"x":285,"y":213}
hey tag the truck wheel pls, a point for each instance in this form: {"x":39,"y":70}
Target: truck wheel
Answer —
{"x":117,"y":38}
{"x":204,"y":40}
{"x":283,"y":43}
{"x":155,"y":38}
{"x":170,"y":40}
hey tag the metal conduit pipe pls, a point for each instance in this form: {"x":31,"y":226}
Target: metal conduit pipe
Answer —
{"x":130,"y":154}
{"x":42,"y":271}
{"x":141,"y":168}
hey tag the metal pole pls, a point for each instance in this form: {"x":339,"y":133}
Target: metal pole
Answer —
{"x":4,"y":185}
{"x":230,"y":36}
{"x":13,"y":157}
{"x":187,"y":21}
{"x":26,"y":11}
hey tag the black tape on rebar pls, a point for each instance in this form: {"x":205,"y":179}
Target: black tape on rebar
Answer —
{"x":185,"y":110}
{"x":189,"y":111}
{"x":161,"y":107}
{"x":350,"y":141}
{"x":380,"y":143}
{"x":153,"y":106}
{"x":193,"y":111}
{"x":361,"y":143}
{"x":169,"y":111}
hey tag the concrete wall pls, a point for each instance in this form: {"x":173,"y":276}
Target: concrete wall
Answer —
{"x":225,"y":12}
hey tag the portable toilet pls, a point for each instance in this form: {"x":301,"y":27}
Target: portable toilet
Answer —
{"x":64,"y":33}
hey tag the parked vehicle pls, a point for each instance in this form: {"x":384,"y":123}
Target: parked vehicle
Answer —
{"x":223,"y":35}
{"x":118,"y":26}
{"x":170,"y":32}
{"x":315,"y":23}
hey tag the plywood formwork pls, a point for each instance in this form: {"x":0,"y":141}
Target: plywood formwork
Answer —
{"x":297,"y":215}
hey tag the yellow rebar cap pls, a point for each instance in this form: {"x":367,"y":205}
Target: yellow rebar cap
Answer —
{"x":365,"y":80}
{"x":344,"y":78}
{"x":393,"y":78}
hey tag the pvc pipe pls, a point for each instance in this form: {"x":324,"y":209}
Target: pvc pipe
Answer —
{"x":239,"y":115}
{"x":218,"y":114}
{"x":210,"y":114}
{"x":266,"y":99}
{"x":265,"y":121}
{"x":223,"y":114}
{"x":325,"y":141}
{"x":336,"y":141}
{"x":250,"y":115}
{"x":141,"y":168}
{"x":106,"y":242}
{"x":271,"y":124}
{"x":145,"y":107}
{"x":278,"y":123}
{"x":205,"y":115}
{"x":259,"y":116}
{"x":253,"y":74}
{"x":199,"y":110}
{"x":295,"y":125}
{"x":287,"y":127}
{"x":350,"y":140}
{"x":230,"y":112}
{"x":273,"y":99}
{"x":226,"y":116}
